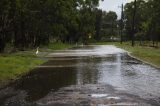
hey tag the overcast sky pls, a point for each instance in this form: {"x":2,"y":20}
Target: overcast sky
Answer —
{"x":112,"y":5}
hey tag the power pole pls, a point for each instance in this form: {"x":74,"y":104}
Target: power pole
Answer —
{"x":133,"y":22}
{"x":122,"y":16}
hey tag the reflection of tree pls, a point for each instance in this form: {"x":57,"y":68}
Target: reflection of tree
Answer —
{"x":118,"y":57}
{"x":42,"y":81}
{"x":109,"y":24}
{"x":110,"y":69}
{"x":87,"y":71}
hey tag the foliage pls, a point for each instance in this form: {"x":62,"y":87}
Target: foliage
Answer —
{"x":146,"y":20}
{"x":109,"y":24}
{"x":30,"y":23}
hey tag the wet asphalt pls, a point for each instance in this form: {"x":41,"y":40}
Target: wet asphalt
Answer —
{"x":86,"y":76}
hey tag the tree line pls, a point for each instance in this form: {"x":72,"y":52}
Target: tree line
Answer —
{"x":109,"y":24}
{"x":139,"y":22}
{"x":30,"y":23}
{"x":142,"y":22}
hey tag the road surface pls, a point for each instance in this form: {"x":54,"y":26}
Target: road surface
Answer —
{"x":86,"y":76}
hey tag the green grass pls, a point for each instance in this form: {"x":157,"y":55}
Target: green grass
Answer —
{"x":148,"y":54}
{"x":16,"y":64}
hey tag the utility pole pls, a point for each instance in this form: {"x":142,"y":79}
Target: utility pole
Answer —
{"x":122,"y":16}
{"x":133,"y":22}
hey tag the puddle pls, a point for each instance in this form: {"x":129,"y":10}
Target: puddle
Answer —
{"x":121,"y":104}
{"x":115,"y":98}
{"x":112,"y":75}
{"x":99,"y":95}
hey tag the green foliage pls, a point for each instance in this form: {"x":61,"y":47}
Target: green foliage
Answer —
{"x":30,"y":23}
{"x":98,"y":24}
{"x":109,"y":24}
{"x":147,"y":20}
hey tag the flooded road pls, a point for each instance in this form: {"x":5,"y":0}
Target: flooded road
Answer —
{"x":86,"y":76}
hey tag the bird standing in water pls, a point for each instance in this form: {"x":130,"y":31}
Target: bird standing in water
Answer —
{"x":37,"y":50}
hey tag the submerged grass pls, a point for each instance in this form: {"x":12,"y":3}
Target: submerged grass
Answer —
{"x":148,"y":54}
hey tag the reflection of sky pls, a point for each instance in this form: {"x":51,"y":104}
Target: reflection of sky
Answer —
{"x":112,"y":5}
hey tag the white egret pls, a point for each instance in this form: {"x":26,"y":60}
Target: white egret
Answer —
{"x":37,"y":50}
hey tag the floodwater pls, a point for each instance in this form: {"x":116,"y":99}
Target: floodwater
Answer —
{"x":86,"y":76}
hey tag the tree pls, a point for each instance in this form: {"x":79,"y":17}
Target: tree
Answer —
{"x":31,"y":23}
{"x":146,"y":20}
{"x":87,"y":18}
{"x":134,"y":17}
{"x":109,"y":24}
{"x":98,"y":24}
{"x":4,"y":22}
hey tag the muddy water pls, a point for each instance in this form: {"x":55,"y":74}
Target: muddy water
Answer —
{"x":86,"y":76}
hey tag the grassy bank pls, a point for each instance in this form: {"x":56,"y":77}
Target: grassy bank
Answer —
{"x":16,"y":64}
{"x":148,"y":54}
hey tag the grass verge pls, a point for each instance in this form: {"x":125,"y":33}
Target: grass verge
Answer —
{"x":16,"y":64}
{"x":148,"y":54}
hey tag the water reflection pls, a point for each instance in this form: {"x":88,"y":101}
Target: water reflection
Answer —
{"x":41,"y":81}
{"x":93,"y":65}
{"x":80,"y":71}
{"x":87,"y":71}
{"x":111,"y":71}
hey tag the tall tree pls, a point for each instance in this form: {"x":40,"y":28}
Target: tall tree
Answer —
{"x":98,"y":24}
{"x":109,"y":24}
{"x":31,"y":23}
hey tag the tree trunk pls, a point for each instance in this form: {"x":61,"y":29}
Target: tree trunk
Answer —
{"x":133,"y":23}
{"x":2,"y":43}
